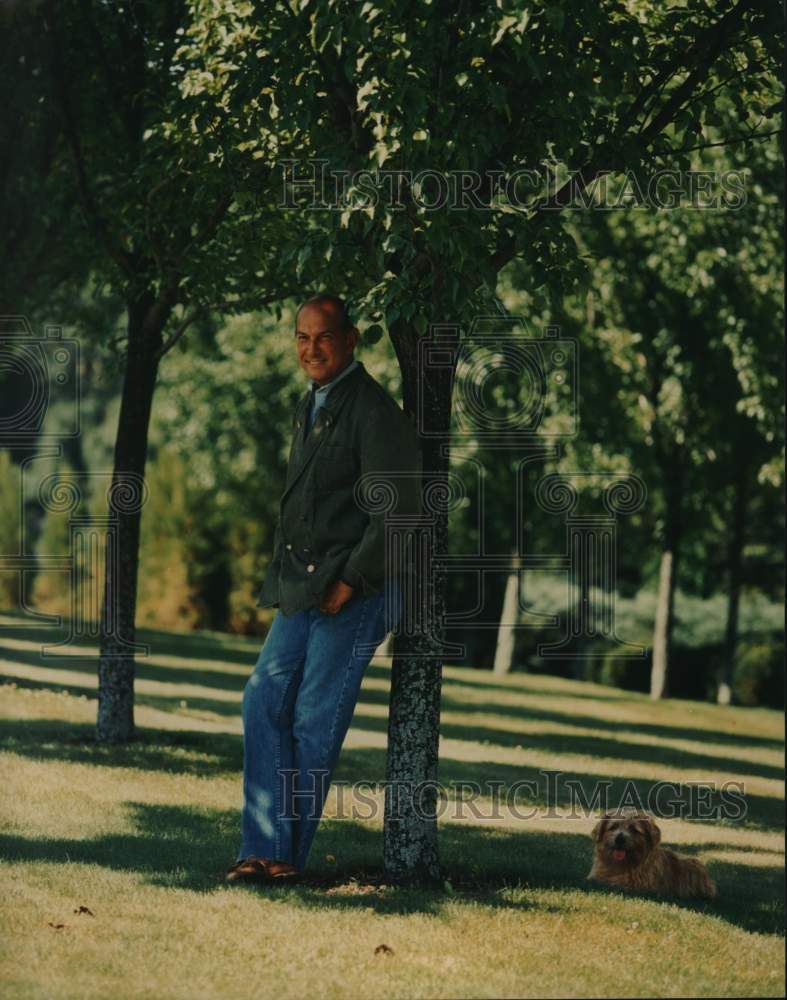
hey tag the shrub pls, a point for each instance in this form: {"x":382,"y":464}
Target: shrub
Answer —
{"x":759,"y":673}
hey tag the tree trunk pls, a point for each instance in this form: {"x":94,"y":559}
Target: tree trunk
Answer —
{"x":410,"y":849}
{"x":115,"y":723}
{"x":506,"y":634}
{"x":673,"y":476}
{"x":735,"y":568}
{"x":663,"y":626}
{"x":665,"y":610}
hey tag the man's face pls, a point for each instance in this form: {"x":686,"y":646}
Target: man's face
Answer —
{"x":323,"y":349}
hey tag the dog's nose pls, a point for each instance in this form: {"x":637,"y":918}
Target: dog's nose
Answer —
{"x":620,"y":838}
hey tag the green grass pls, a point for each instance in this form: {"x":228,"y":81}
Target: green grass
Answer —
{"x":141,"y":835}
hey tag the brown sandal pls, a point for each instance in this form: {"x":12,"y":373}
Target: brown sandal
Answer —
{"x":254,"y":869}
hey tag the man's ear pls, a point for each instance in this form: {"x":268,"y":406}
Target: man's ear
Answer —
{"x":598,"y":830}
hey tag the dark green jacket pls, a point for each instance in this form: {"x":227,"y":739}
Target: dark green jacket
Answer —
{"x":323,"y":533}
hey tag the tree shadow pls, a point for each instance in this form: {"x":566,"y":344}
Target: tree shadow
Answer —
{"x":178,"y":752}
{"x":557,"y":743}
{"x":521,"y":682}
{"x":145,"y":670}
{"x":594,"y":746}
{"x":188,"y":647}
{"x":190,"y":847}
{"x":200,"y":645}
{"x":211,"y":754}
{"x":595,"y":722}
{"x":528,"y":787}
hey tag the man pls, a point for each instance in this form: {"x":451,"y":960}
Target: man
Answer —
{"x":335,"y":588}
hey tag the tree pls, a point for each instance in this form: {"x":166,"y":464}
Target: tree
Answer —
{"x":158,"y":227}
{"x":693,"y":325}
{"x":447,"y":87}
{"x":39,"y":234}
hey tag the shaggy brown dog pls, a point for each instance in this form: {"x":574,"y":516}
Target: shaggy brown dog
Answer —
{"x":628,"y":856}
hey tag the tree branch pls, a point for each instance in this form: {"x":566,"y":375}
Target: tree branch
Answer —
{"x":185,"y":324}
{"x":726,"y":142}
{"x":93,"y":217}
{"x":211,"y":307}
{"x":211,"y":225}
{"x":707,"y":51}
{"x":713,"y":45}
{"x":109,"y":73}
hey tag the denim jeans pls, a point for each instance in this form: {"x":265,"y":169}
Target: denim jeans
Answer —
{"x":297,"y":707}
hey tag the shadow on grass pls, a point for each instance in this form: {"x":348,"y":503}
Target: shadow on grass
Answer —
{"x":186,"y":646}
{"x":759,"y":811}
{"x":222,"y":679}
{"x":556,"y":743}
{"x":204,"y":754}
{"x":189,"y":848}
{"x":202,"y":645}
{"x":644,"y":729}
{"x":212,"y":754}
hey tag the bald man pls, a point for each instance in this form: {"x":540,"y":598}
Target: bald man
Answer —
{"x":335,"y":589}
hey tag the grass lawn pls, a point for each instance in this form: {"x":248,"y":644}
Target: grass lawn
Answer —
{"x":140,"y":836}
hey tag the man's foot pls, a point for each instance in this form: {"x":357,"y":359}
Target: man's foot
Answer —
{"x":254,"y":869}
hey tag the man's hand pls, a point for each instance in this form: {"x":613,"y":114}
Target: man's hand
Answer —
{"x":336,"y":594}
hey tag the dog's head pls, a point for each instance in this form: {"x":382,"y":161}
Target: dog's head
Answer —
{"x":624,"y":840}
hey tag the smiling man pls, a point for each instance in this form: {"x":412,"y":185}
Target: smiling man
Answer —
{"x":335,"y":585}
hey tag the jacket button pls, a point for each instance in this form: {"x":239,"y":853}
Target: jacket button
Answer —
{"x":289,"y":546}
{"x":310,"y":568}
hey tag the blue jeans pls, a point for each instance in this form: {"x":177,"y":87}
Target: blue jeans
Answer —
{"x":297,"y":708}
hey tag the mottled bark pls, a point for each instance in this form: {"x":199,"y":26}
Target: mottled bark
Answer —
{"x":410,"y":832}
{"x":115,"y":723}
{"x":734,"y":582}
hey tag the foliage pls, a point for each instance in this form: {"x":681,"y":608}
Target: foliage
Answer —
{"x":10,"y":527}
{"x":430,"y":85}
{"x":759,"y":673}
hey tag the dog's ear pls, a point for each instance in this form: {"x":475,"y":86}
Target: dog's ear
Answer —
{"x":652,"y":831}
{"x":598,"y":830}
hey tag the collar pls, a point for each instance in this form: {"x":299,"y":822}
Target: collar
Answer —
{"x":325,"y":389}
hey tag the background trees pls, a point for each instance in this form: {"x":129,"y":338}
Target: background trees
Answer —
{"x":150,"y":220}
{"x":171,"y":125}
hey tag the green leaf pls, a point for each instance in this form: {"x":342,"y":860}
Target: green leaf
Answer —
{"x":303,"y":255}
{"x":555,"y":17}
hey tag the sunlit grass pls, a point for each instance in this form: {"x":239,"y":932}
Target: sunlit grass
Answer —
{"x":141,"y":835}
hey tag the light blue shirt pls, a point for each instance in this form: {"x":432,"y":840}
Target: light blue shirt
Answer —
{"x":322,"y":393}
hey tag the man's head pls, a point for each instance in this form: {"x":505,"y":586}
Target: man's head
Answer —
{"x":325,"y":337}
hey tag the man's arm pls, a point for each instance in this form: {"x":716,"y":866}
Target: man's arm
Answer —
{"x":390,"y":451}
